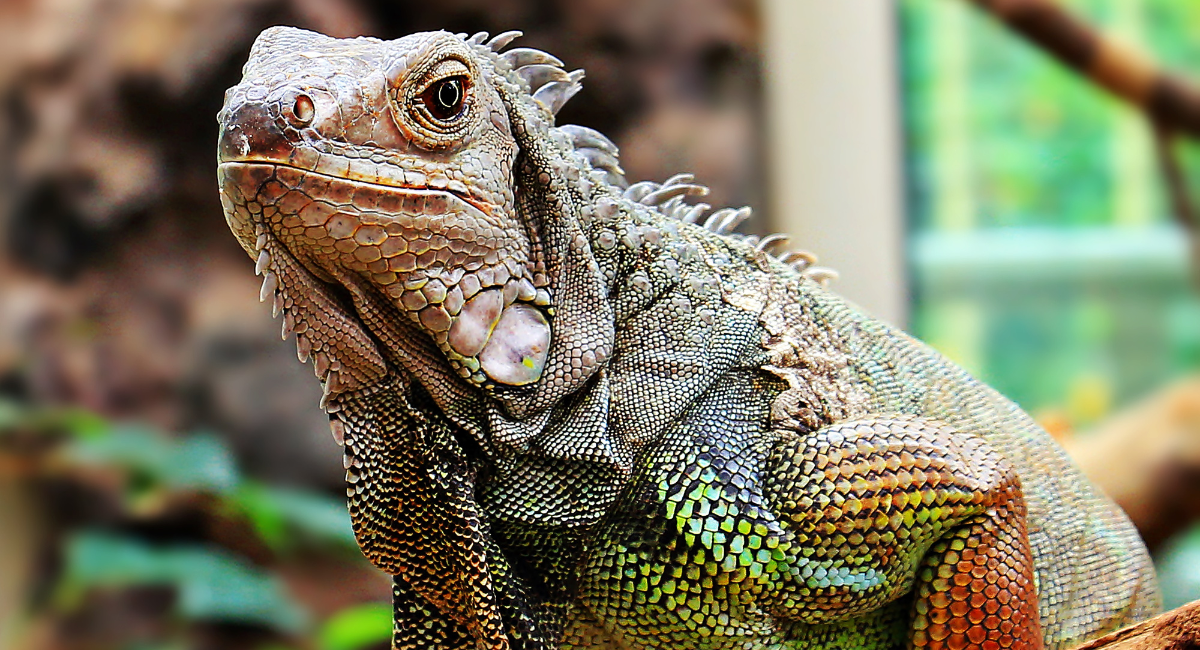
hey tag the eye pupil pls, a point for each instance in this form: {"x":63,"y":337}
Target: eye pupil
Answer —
{"x":445,"y":98}
{"x":449,"y":94}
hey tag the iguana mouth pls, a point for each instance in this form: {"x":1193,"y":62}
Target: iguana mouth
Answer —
{"x":453,"y":268}
{"x":402,"y":188}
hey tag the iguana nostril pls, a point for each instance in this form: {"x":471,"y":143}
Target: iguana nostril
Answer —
{"x":302,"y":111}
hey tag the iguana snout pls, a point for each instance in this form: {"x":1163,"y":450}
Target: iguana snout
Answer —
{"x":389,"y":165}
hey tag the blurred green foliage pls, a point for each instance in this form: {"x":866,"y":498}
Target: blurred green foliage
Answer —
{"x":279,"y":514}
{"x":210,"y":584}
{"x":357,"y":627}
{"x":1044,"y":255}
{"x":200,"y":462}
{"x":1178,"y":572}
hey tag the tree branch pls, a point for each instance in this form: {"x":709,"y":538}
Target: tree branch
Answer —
{"x":1177,"y":190}
{"x":1177,"y":629}
{"x":1169,"y":100}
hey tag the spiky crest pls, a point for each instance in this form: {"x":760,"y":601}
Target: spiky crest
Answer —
{"x":551,"y":86}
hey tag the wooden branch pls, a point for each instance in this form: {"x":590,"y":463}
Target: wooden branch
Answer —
{"x":1147,"y":458}
{"x":1169,"y":100}
{"x":1178,"y":629}
{"x":1177,"y":189}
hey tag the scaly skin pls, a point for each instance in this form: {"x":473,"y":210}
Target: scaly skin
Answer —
{"x":572,"y":418}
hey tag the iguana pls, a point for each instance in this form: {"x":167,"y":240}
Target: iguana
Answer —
{"x":579,"y":413}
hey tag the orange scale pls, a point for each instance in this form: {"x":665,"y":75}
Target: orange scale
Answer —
{"x":370,"y":235}
{"x":414,"y":204}
{"x":403,"y":263}
{"x":270,"y":192}
{"x":389,"y":202}
{"x":342,"y":225}
{"x":393,"y":246}
{"x":437,"y":204}
{"x":366,"y":199}
{"x":959,"y":627}
{"x":962,"y":579}
{"x":367,"y":254}
{"x":339,"y":194}
{"x":938,"y":632}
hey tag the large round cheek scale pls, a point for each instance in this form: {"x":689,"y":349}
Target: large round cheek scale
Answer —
{"x":516,"y":353}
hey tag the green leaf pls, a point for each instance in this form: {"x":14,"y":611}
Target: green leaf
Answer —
{"x":202,"y":461}
{"x":77,"y":423}
{"x":253,"y":501}
{"x":319,"y":516}
{"x":199,"y":462}
{"x":11,"y":415}
{"x":211,"y":584}
{"x":83,"y":424}
{"x":280,"y":514}
{"x":357,"y":627}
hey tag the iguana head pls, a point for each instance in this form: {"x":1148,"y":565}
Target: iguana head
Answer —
{"x":416,"y":180}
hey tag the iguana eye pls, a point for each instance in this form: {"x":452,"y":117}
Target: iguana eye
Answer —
{"x":444,"y":98}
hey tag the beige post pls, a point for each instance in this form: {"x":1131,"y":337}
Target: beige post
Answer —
{"x":833,"y":142}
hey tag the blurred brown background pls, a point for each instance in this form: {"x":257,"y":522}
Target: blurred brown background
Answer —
{"x":124,"y":299}
{"x":122,"y":289}
{"x":166,"y":478}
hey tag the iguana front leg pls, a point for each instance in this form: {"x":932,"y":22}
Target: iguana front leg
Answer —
{"x":874,"y":508}
{"x":863,"y":534}
{"x":411,"y":490}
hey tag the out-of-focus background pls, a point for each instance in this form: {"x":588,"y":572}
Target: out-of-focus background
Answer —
{"x":166,"y":478}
